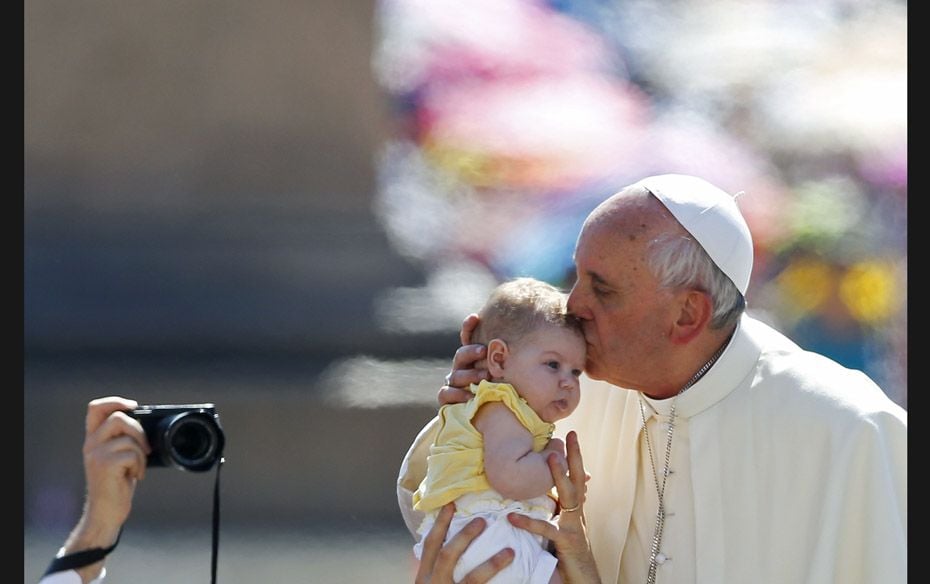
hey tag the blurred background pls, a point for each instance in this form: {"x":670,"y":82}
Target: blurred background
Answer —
{"x":287,"y":209}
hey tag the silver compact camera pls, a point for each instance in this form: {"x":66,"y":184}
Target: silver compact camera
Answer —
{"x":185,"y":436}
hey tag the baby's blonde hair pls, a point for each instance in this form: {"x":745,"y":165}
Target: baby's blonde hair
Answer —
{"x":520,"y":306}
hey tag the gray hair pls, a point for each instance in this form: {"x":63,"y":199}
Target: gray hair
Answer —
{"x":680,"y":261}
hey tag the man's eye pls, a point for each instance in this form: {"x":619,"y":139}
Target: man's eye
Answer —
{"x":600,"y":291}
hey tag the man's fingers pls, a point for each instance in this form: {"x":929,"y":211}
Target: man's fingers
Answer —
{"x":563,"y":483}
{"x":453,"y":395}
{"x":468,"y":327}
{"x":118,"y":443}
{"x":571,"y":489}
{"x":100,"y":409}
{"x":468,"y":357}
{"x":449,"y":554}
{"x":468,"y":366}
{"x":575,"y":463}
{"x":432,"y":542}
{"x":455,"y":547}
{"x":118,"y":423}
{"x":118,"y":456}
{"x":485,"y":571}
{"x":462,"y":378}
{"x":537,"y":526}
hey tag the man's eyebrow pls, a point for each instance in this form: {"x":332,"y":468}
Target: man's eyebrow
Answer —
{"x":597,"y":278}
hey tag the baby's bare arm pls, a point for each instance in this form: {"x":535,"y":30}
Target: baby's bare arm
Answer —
{"x":512,"y":468}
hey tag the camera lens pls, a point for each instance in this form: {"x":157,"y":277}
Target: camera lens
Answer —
{"x":185,"y":436}
{"x":192,"y":441}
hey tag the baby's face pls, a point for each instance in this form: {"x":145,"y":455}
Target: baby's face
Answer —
{"x":544,"y":367}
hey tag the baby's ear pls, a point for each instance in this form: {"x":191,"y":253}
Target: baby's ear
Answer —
{"x":497,"y":357}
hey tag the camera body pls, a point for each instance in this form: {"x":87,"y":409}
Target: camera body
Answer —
{"x":185,"y":436}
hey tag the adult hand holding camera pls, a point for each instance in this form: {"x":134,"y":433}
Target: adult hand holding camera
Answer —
{"x":115,"y":450}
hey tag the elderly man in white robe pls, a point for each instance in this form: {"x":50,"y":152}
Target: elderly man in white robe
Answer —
{"x":718,"y":450}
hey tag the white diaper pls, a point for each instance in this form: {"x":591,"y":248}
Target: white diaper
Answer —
{"x":532,"y":564}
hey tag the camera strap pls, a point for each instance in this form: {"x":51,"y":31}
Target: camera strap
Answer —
{"x":216,"y":521}
{"x":81,"y":558}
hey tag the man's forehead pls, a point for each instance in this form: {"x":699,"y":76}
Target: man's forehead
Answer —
{"x":608,"y":254}
{"x":600,"y":262}
{"x":633,"y":208}
{"x":618,"y":234}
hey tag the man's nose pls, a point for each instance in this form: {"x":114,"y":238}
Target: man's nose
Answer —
{"x":576,"y":304}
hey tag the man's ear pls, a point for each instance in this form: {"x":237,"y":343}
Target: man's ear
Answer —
{"x":695,"y":310}
{"x":497,"y":357}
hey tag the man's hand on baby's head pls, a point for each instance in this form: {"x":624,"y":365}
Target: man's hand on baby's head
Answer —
{"x":469,"y":365}
{"x":465,"y":371}
{"x":468,"y":327}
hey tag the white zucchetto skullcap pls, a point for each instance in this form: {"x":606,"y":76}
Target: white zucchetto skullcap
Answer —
{"x":711,"y":216}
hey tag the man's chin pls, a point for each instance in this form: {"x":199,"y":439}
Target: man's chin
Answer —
{"x":593,"y":371}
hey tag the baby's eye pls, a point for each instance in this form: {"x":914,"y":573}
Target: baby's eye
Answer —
{"x":552,"y":364}
{"x":576,"y":372}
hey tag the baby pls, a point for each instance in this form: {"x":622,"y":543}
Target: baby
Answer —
{"x":490,"y":453}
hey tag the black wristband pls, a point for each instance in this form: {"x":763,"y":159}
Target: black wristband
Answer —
{"x":80,"y":559}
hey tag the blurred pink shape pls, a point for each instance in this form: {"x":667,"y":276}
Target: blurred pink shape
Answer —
{"x":540,"y":133}
{"x":446,"y":41}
